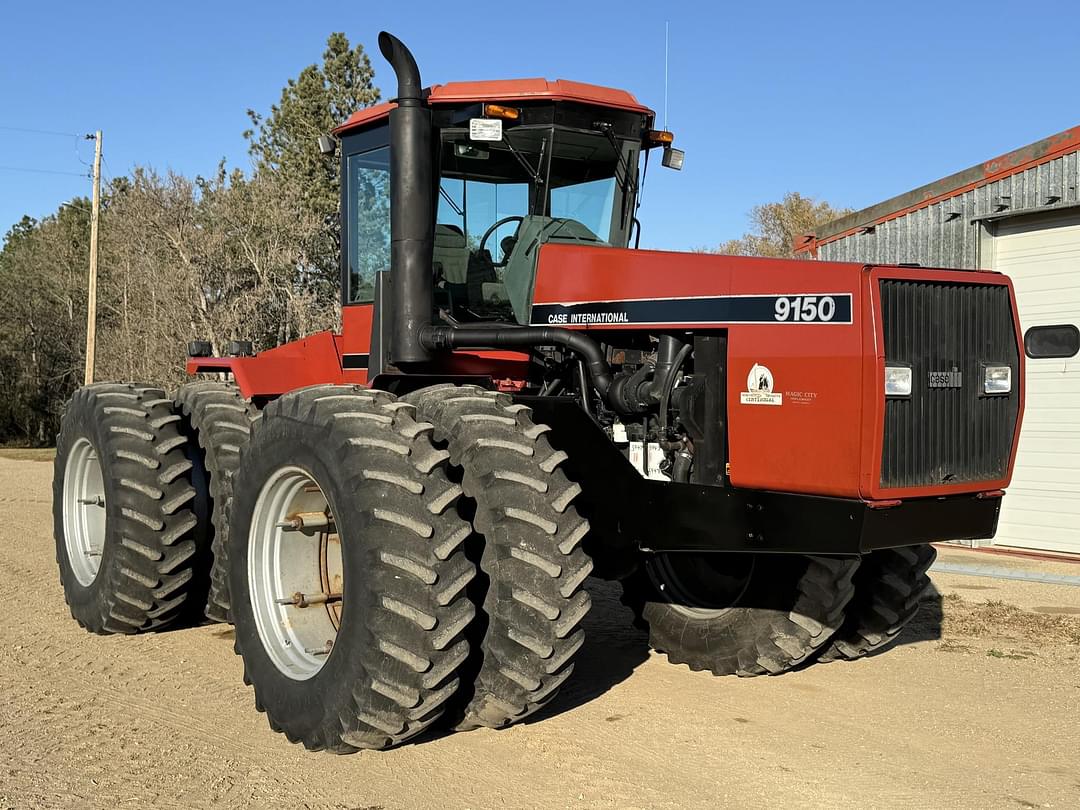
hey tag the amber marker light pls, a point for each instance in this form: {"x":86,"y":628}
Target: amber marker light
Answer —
{"x":500,"y":111}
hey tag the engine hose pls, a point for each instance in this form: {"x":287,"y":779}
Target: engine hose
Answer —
{"x":680,"y":469}
{"x":669,"y":382}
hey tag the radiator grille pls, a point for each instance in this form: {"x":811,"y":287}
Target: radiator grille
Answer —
{"x":947,"y":435}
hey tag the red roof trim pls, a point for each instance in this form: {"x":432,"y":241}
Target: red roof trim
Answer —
{"x":508,"y":90}
{"x":1014,"y":162}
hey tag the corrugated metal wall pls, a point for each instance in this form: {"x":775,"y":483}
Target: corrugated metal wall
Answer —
{"x":944,"y":235}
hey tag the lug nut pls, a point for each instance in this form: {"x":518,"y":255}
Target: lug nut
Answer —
{"x":303,"y":600}
{"x":306,"y":521}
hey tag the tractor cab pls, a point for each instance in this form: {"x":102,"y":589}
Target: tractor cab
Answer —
{"x":551,"y":162}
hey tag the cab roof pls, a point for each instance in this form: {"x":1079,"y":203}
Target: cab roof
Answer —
{"x":506,"y":90}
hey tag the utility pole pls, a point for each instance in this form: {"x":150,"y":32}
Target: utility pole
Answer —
{"x":91,"y":287}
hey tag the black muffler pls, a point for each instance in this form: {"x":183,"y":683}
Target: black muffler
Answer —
{"x":412,"y":208}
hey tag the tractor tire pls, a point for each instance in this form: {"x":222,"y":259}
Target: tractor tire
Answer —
{"x":217,"y":420}
{"x":779,"y":611}
{"x":889,"y":586}
{"x":527,"y":537}
{"x":127,"y":538}
{"x":375,"y":663}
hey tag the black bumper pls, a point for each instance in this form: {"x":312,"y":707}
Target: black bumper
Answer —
{"x":688,"y":517}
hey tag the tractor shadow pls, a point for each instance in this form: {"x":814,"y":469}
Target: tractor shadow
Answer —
{"x":926,"y":626}
{"x":613,"y":649}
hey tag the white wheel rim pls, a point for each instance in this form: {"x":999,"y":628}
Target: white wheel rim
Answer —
{"x":84,"y":512}
{"x":285,"y":563}
{"x":694,"y":601}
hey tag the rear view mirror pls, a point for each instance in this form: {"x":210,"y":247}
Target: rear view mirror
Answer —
{"x":467,"y":150}
{"x":1061,"y":340}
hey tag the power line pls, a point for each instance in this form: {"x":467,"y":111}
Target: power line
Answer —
{"x":40,"y":171}
{"x":40,"y":131}
{"x":78,"y":157}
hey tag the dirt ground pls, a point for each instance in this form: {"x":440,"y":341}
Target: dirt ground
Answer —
{"x":980,"y":708}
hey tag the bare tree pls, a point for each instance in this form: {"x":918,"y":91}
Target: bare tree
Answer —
{"x":777,"y":226}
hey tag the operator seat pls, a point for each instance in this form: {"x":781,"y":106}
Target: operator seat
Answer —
{"x":520,"y":273}
{"x":450,"y":258}
{"x":481,"y":276}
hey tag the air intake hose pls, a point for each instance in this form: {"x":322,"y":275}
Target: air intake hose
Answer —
{"x":452,"y":337}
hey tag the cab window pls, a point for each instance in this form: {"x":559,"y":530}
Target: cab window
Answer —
{"x":368,"y":221}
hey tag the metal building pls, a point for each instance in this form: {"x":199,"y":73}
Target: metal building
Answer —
{"x":1020,"y":214}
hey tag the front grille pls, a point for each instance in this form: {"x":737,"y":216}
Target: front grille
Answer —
{"x":947,"y":435}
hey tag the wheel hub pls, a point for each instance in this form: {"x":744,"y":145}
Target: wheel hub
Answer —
{"x":84,"y":512}
{"x":702,"y":585}
{"x":295,"y":573}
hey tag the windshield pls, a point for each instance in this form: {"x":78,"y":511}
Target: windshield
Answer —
{"x":591,"y":203}
{"x":499,"y":199}
{"x":540,"y":171}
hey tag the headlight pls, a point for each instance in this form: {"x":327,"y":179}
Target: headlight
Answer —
{"x":897,"y":381}
{"x":997,"y":380}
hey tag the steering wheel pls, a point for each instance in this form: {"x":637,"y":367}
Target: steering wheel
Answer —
{"x":494,"y":227}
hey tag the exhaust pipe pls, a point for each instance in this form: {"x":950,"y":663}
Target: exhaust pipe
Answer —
{"x":412,"y":207}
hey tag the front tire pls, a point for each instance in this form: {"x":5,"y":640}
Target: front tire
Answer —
{"x":350,"y":629}
{"x":127,"y":538}
{"x":889,"y":586}
{"x":740,"y":614}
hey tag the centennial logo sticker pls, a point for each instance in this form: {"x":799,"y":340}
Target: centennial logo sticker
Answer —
{"x":759,"y":388}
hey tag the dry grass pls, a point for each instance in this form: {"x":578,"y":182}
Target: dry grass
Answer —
{"x":28,"y":453}
{"x":1001,"y":620}
{"x":962,"y":627}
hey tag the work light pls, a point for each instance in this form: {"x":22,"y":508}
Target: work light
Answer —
{"x":997,"y":380}
{"x":897,"y":381}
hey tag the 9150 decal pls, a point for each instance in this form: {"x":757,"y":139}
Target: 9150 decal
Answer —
{"x":805,"y":308}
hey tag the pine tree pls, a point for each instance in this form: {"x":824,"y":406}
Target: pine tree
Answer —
{"x":284,"y":142}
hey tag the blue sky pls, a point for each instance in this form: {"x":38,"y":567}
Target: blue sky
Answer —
{"x":848,"y":102}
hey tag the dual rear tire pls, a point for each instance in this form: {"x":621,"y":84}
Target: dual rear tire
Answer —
{"x":344,"y":531}
{"x":130,"y":531}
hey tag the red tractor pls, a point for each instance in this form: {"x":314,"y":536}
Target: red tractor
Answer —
{"x":399,"y":519}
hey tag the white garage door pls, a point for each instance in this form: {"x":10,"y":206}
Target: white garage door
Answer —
{"x":1042,"y":507}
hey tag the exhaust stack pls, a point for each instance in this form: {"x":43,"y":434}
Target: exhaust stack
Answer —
{"x":412,"y":208}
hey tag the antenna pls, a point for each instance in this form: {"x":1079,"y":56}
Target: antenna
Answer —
{"x":667,"y":26}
